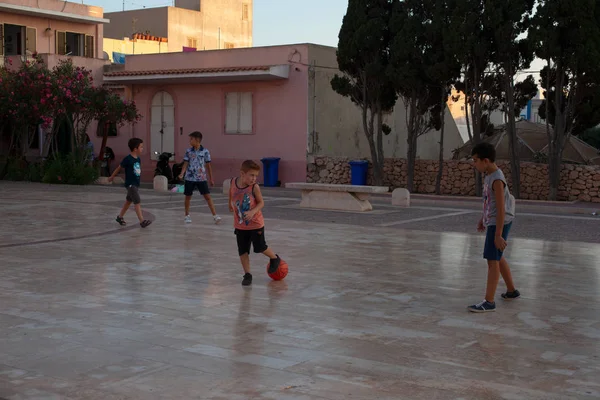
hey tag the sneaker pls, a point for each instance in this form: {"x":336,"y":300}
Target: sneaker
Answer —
{"x":217,"y":219}
{"x":484,"y":306}
{"x":274,"y":264}
{"x":121,"y":221}
{"x":188,"y":219}
{"x":145,"y":223}
{"x":247,"y":281}
{"x":511,"y":295}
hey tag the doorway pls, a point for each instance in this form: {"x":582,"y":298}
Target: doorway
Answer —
{"x":162,"y":124}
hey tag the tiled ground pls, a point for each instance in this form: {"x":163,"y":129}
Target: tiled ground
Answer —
{"x":92,"y":311}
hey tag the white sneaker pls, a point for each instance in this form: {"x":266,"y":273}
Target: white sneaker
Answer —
{"x":217,"y":219}
{"x":188,"y":219}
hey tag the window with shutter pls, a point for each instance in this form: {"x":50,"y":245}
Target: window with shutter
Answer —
{"x":61,"y":43}
{"x":89,"y":46}
{"x":245,"y":12}
{"x":238,"y":113}
{"x":1,"y":40}
{"x":31,"y":40}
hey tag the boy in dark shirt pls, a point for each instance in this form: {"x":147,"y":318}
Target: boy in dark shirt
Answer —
{"x":132,"y":166}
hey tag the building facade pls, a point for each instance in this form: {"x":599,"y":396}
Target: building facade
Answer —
{"x":253,"y":103}
{"x":190,"y":25}
{"x":55,"y":30}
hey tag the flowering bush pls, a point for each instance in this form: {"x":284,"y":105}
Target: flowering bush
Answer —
{"x":33,"y":95}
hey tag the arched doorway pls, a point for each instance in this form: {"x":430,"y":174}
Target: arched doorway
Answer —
{"x":162,"y":124}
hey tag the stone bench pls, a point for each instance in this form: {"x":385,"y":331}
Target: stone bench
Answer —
{"x":336,"y":197}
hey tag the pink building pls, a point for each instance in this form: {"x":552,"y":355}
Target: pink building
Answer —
{"x":248,"y":103}
{"x":252,"y":103}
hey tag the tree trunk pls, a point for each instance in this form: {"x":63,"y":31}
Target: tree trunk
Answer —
{"x":103,"y":125}
{"x":378,"y":177}
{"x":477,"y":128}
{"x":467,"y":112}
{"x":411,"y":145}
{"x":515,"y":162}
{"x":438,"y":181}
{"x":555,"y":146}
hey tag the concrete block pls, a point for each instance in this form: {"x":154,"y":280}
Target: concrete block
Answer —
{"x":226,"y":186}
{"x":401,"y":197}
{"x":161,"y":184}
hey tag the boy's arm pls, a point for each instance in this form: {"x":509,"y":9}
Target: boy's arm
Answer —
{"x":498,"y":187}
{"x":260,"y":203}
{"x":183,"y":169}
{"x":209,"y":172}
{"x":115,"y":173}
{"x":231,"y":198}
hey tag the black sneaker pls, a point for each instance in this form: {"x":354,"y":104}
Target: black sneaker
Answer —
{"x":484,"y":306}
{"x":247,"y":281}
{"x":274,"y":264}
{"x":145,"y":223}
{"x":511,"y":295}
{"x":121,"y":221}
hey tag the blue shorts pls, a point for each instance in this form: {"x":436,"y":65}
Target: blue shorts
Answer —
{"x":490,"y":252}
{"x":190,"y":186}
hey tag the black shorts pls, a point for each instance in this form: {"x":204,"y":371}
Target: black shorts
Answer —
{"x":254,"y":237}
{"x":133,"y":195}
{"x":190,"y":186}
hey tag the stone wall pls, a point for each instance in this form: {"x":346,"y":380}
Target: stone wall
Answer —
{"x":577,"y":182}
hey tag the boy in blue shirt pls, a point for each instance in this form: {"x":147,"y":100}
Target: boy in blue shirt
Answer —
{"x":132,"y":166}
{"x":198,"y":173}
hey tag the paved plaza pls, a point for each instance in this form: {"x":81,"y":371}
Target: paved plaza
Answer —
{"x":374,"y":306}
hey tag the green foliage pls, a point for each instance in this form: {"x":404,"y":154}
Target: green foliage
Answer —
{"x":586,"y":107}
{"x":592,"y":137}
{"x":540,"y":158}
{"x":17,"y":169}
{"x":69,"y":169}
{"x":363,"y":58}
{"x":567,"y":34}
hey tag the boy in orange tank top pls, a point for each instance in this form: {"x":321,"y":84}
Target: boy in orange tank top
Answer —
{"x":246,"y":203}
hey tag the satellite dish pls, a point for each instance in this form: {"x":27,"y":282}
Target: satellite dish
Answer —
{"x":105,"y":56}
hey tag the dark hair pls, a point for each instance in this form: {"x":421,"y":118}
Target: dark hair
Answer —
{"x":484,"y":150}
{"x":134,"y":143}
{"x":196,"y":135}
{"x":250,"y":165}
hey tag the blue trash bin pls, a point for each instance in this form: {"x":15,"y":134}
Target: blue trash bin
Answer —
{"x":358,"y":172}
{"x":271,"y":171}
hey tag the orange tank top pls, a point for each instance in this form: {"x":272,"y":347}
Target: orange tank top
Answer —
{"x":242,"y":200}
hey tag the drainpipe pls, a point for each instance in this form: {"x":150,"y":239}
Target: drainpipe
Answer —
{"x":313,"y":74}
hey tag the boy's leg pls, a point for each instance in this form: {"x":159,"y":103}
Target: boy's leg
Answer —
{"x":259,"y":243}
{"x":125,"y":208}
{"x":493,"y":256}
{"x":245,"y":259}
{"x":244,"y":240}
{"x":188,"y":191}
{"x":492,"y":280}
{"x":205,"y":191}
{"x":506,"y":275}
{"x":138,"y":211}
{"x":211,"y":204}
{"x":135,"y":197}
{"x":188,"y":200}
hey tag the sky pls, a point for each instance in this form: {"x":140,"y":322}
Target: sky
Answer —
{"x":275,"y":21}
